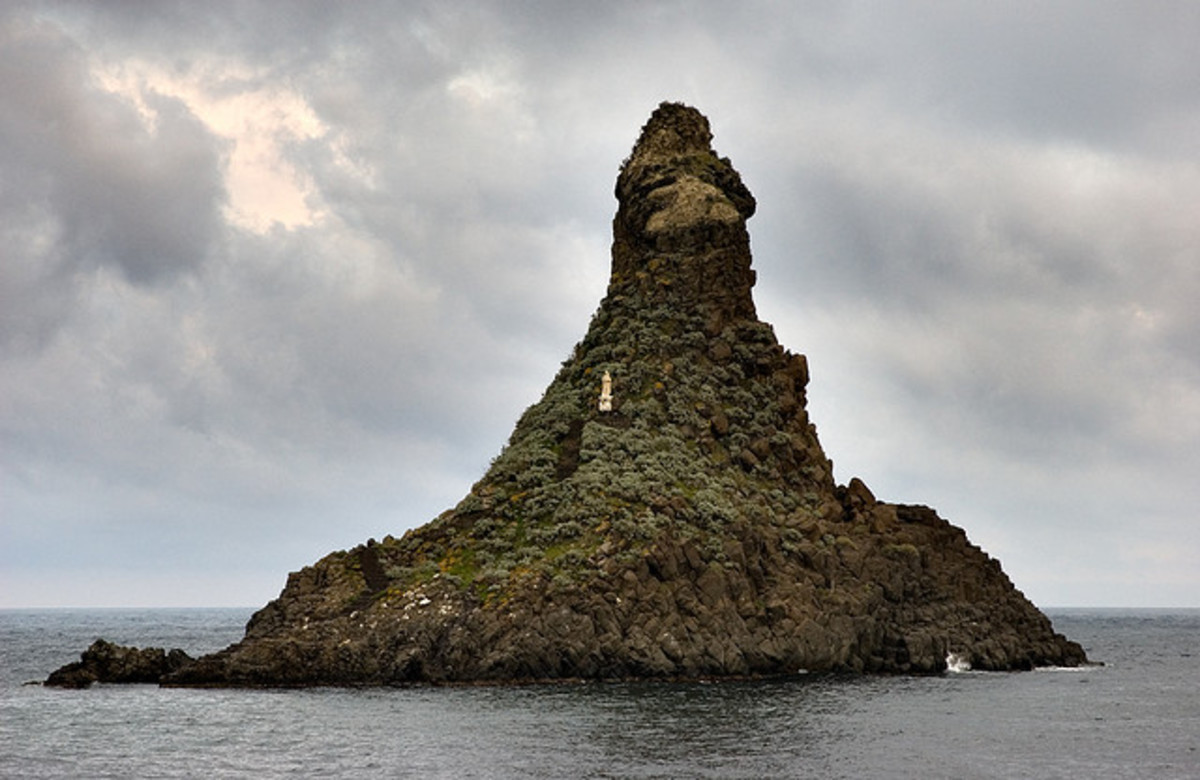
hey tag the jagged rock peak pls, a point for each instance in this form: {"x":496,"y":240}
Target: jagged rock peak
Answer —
{"x":679,"y":236}
{"x":673,"y":130}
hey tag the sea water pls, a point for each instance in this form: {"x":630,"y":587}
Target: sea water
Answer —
{"x":1138,"y":716}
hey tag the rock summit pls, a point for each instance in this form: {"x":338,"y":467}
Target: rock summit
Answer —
{"x":664,"y":511}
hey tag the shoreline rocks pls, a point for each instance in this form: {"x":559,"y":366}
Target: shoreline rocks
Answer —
{"x":106,"y":662}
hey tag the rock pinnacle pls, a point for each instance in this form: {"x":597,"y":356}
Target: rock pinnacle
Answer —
{"x":679,"y":236}
{"x":665,"y":510}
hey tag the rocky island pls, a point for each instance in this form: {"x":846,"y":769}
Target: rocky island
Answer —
{"x":664,"y":511}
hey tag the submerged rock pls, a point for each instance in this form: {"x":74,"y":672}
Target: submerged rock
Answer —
{"x":678,"y":519}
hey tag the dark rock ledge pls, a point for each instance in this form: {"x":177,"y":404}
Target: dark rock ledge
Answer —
{"x":110,"y":663}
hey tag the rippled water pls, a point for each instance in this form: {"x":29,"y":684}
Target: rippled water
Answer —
{"x":1138,"y":716}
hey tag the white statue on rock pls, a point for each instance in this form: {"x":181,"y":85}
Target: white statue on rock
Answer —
{"x":606,"y":392}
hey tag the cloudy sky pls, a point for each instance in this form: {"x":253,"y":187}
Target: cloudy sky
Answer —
{"x":279,"y":277}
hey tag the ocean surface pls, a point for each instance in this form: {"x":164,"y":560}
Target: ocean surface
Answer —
{"x":1138,"y":716}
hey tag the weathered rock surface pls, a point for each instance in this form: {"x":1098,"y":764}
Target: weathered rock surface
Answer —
{"x":693,"y":530}
{"x":109,"y":663}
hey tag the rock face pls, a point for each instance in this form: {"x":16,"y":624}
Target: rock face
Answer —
{"x":692,"y":529}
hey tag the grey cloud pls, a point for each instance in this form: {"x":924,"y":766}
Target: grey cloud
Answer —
{"x":149,"y":206}
{"x":977,"y":223}
{"x":143,"y":201}
{"x":1099,"y":72}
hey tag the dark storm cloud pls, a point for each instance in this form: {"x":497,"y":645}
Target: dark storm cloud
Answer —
{"x":279,"y":277}
{"x":142,"y":200}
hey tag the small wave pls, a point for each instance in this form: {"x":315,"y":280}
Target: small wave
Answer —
{"x":957,"y":663}
{"x":1080,"y":668}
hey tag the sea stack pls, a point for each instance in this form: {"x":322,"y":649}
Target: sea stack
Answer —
{"x":664,"y":511}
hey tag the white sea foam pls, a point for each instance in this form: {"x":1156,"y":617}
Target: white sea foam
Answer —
{"x":957,"y":663}
{"x":1080,"y":668}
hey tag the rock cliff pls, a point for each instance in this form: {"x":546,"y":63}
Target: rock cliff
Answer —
{"x":692,"y":530}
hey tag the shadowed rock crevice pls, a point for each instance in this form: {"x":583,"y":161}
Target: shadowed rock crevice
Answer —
{"x":690,"y":528}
